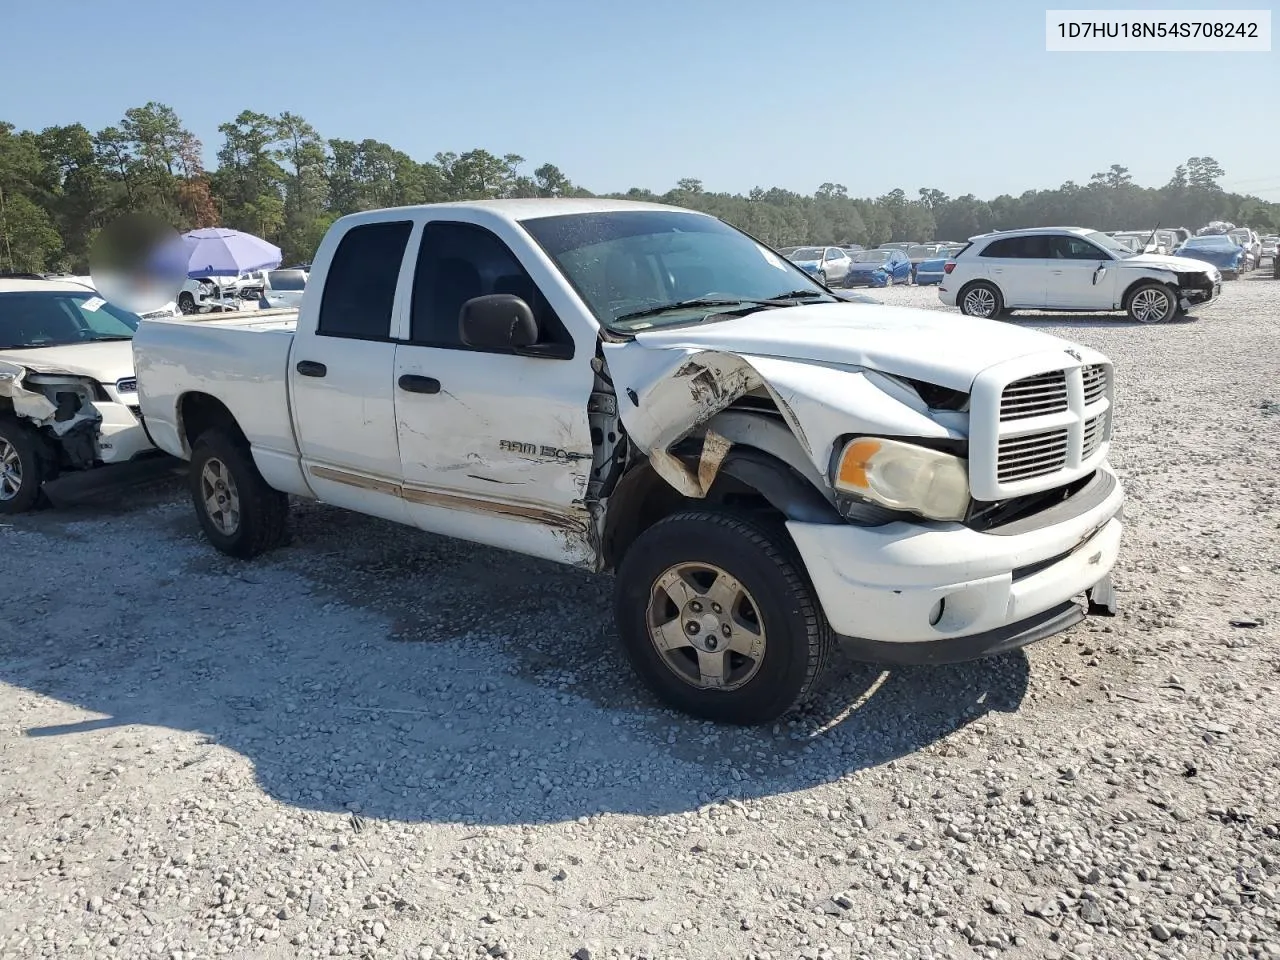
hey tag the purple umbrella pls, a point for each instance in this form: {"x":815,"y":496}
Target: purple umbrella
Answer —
{"x":219,"y":252}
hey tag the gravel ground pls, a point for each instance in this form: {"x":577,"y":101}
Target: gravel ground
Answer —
{"x":380,"y":743}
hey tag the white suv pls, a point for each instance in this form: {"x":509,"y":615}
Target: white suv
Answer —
{"x":1073,"y":268}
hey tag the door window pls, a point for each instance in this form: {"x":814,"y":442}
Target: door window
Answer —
{"x":360,"y":287}
{"x":458,"y":262}
{"x":1065,"y":247}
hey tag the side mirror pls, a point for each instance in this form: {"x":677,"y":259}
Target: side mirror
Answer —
{"x":498,"y":321}
{"x":1099,"y":274}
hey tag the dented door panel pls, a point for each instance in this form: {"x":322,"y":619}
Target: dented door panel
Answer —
{"x":483,"y":461}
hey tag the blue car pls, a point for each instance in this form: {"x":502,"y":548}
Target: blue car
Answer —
{"x":878,"y":268}
{"x":1217,"y":249}
{"x":931,"y":271}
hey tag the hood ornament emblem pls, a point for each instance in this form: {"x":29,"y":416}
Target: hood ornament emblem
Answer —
{"x":1076,"y":354}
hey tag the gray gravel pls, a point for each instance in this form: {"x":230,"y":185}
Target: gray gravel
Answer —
{"x":378,"y":743}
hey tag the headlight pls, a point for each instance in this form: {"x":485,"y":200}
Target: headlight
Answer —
{"x":904,"y":476}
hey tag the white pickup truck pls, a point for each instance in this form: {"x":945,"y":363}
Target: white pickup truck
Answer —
{"x":645,"y":390}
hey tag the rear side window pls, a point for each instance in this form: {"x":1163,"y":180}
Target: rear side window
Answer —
{"x":1018,"y":248}
{"x":458,"y":262}
{"x":360,"y":287}
{"x":287,"y":280}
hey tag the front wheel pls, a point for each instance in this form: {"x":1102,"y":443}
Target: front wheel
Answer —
{"x":981,"y":299}
{"x":1152,"y":303}
{"x":716,"y":615}
{"x":240,"y":514}
{"x":22,"y":467}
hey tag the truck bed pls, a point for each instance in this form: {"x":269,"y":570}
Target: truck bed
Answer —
{"x":243,"y":363}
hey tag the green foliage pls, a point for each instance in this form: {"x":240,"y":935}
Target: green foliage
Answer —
{"x":278,"y":178}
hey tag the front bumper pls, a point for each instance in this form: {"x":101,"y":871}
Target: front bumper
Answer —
{"x":866,"y":280}
{"x":881,"y":587}
{"x":120,"y":434}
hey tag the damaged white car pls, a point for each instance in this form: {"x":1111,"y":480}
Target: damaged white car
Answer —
{"x":68,"y":396}
{"x":645,"y":390}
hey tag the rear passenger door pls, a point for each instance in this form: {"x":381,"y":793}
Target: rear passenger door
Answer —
{"x":1018,"y":265}
{"x":495,"y":446}
{"x":340,"y":377}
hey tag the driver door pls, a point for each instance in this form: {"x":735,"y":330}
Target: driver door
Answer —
{"x":495,"y":447}
{"x":1081,"y":276}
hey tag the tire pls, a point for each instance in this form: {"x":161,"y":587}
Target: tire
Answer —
{"x":23,"y":467}
{"x":981,"y":299}
{"x":1151,"y":302}
{"x":253,"y":517}
{"x":754,"y":563}
{"x":186,"y":304}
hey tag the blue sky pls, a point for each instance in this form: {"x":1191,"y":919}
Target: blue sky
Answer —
{"x":960,"y":96}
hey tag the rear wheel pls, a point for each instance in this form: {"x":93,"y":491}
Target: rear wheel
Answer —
{"x":241,"y":515}
{"x":981,"y":299}
{"x":718,"y":618}
{"x":23,"y":468}
{"x":186,"y":303}
{"x":1152,"y":303}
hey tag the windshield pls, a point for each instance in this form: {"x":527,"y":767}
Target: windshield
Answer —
{"x":921,"y":251}
{"x":873,"y":256}
{"x":806,"y":253}
{"x":56,"y":318}
{"x":1110,"y":243}
{"x":624,"y":263}
{"x":1209,"y":242}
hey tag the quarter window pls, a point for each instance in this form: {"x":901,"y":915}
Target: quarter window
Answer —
{"x":360,"y":286}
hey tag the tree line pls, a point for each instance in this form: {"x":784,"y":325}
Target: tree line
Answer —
{"x":277,"y":177}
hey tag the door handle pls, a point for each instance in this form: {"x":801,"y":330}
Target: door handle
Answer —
{"x":312,"y":368}
{"x":412,"y":383}
{"x":1057,"y":272}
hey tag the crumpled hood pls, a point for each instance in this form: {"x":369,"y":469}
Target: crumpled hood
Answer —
{"x":105,"y":362}
{"x":942,"y":348}
{"x":824,"y":366}
{"x":1184,"y":264}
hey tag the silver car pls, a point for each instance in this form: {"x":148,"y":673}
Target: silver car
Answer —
{"x":829,"y":264}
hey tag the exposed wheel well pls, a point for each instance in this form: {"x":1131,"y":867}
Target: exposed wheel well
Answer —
{"x":1142,"y":281}
{"x":198,"y":412}
{"x":750,"y":481}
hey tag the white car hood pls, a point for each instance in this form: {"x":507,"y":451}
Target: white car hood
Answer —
{"x":1166,"y":262}
{"x":105,"y":362}
{"x":942,"y":348}
{"x":823,"y":365}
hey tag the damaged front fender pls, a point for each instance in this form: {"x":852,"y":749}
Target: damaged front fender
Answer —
{"x":665,"y":395}
{"x":60,"y":403}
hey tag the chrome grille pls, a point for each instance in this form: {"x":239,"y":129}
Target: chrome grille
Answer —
{"x":1033,"y":429}
{"x":127,"y":385}
{"x":1095,"y":429}
{"x":1021,"y":458}
{"x":1095,"y":383}
{"x":1045,"y":393}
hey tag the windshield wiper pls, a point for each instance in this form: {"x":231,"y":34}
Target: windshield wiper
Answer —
{"x":691,"y":304}
{"x":113,"y":336}
{"x":798,"y":295}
